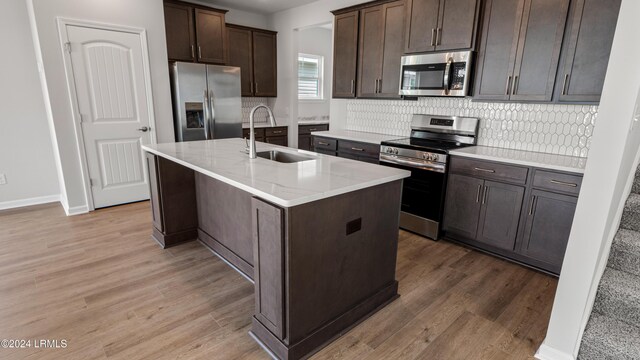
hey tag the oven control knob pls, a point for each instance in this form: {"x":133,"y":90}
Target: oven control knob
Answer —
{"x":389,"y":150}
{"x":395,"y":151}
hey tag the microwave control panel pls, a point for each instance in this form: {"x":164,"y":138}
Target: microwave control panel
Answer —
{"x":458,"y":74}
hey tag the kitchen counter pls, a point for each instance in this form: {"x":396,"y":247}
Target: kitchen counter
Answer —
{"x":361,"y":136}
{"x":313,"y":122}
{"x":527,"y":158}
{"x":318,"y":238}
{"x":285,"y":184}
{"x":261,"y":125}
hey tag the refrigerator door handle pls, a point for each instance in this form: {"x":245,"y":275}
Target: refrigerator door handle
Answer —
{"x":212,"y":112}
{"x":205,"y":104}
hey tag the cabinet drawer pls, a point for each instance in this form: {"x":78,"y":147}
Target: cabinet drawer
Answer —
{"x":356,"y":147}
{"x":308,"y":129}
{"x":276,"y":131}
{"x":553,"y":181}
{"x":489,"y":170}
{"x":324,"y":144}
{"x":259,"y":133}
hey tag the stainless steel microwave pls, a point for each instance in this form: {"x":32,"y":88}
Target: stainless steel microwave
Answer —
{"x":441,"y":74}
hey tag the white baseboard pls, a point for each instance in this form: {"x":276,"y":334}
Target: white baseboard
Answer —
{"x":29,"y":202}
{"x":76,"y":210}
{"x":546,"y":352}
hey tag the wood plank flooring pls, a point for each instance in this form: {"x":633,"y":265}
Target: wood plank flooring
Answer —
{"x":100,"y":282}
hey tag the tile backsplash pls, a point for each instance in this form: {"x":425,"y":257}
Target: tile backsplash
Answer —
{"x":547,"y":128}
{"x":249,"y":103}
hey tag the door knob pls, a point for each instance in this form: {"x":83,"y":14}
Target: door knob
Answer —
{"x":144,"y":129}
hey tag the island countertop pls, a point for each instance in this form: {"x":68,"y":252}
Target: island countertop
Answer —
{"x":284,"y":184}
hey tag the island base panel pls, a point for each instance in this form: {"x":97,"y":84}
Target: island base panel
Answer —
{"x":327,"y":333}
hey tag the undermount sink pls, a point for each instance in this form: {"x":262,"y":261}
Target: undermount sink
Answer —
{"x":284,"y":157}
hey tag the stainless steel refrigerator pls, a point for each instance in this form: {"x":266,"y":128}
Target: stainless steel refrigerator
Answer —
{"x":206,"y":101}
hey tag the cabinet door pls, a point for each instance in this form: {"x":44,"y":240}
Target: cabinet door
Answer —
{"x":422,"y":22}
{"x":462,"y":205}
{"x":547,"y":228}
{"x":457,"y":24}
{"x":371,"y":50}
{"x":265,"y":82}
{"x":178,"y":21}
{"x":345,"y":55}
{"x":240,"y":55}
{"x":539,"y":46}
{"x":304,"y":142}
{"x":590,"y":35}
{"x":498,"y":46}
{"x":211,"y":35}
{"x":389,"y":86}
{"x":500,"y":214}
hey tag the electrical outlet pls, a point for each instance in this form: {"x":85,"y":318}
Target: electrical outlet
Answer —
{"x":3,"y":179}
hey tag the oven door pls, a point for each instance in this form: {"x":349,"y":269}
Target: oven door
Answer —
{"x":423,"y":191}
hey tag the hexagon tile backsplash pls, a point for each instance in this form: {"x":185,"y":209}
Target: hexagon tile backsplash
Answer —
{"x":249,"y":103}
{"x":547,"y":128}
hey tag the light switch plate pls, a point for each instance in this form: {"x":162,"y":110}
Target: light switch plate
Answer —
{"x":3,"y":179}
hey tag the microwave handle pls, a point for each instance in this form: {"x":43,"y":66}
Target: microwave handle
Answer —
{"x":447,"y":73}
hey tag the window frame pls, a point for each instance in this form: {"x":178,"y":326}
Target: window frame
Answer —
{"x":320,"y":78}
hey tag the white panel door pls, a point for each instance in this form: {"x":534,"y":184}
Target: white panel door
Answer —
{"x":108,"y":70}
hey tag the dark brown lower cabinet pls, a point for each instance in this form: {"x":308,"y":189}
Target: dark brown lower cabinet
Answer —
{"x":499,"y":215}
{"x":304,"y":135}
{"x":272,"y":135}
{"x":525,"y":218}
{"x":547,"y":226}
{"x":348,"y":149}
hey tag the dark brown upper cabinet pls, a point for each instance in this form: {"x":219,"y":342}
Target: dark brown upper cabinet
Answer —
{"x":211,"y":37}
{"x":195,"y":33}
{"x":381,"y":39}
{"x":254,"y":52}
{"x":588,"y":40}
{"x":345,"y":54}
{"x":265,"y":64}
{"x":438,"y":25}
{"x":520,"y":49}
{"x":241,"y":55}
{"x":181,"y":37}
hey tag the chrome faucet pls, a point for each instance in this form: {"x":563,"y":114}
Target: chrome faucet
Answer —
{"x":252,"y":135}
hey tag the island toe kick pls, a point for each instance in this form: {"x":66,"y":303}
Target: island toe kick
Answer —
{"x":319,"y":268}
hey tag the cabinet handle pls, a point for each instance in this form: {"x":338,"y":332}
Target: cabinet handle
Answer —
{"x":252,"y":87}
{"x":199,"y":52}
{"x":433,"y":37}
{"x":531,"y":207}
{"x":484,"y":170}
{"x":478,"y":194}
{"x":508,"y":87}
{"x":323,"y":143}
{"x":564,"y":84}
{"x":438,"y":36}
{"x":515,"y":85}
{"x":257,"y":91}
{"x":314,"y":129}
{"x":484,"y":197}
{"x":357,"y":149}
{"x":563,"y":183}
{"x":353,"y":86}
{"x":277,"y":131}
{"x":375,"y":91}
{"x":193,"y":51}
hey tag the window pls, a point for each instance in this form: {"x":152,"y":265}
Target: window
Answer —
{"x":310,"y":77}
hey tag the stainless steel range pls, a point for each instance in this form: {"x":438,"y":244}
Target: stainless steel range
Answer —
{"x":426,"y":155}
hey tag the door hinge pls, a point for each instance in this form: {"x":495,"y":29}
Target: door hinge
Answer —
{"x":67,"y":47}
{"x":91,"y":182}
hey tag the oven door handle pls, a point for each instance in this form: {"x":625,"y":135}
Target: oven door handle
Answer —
{"x":440,"y":168}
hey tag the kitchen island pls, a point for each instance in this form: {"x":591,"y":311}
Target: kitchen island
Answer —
{"x":318,"y":237}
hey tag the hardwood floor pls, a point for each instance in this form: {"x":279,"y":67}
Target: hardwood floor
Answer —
{"x":100,"y":282}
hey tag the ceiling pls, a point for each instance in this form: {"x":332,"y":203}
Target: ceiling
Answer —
{"x":260,"y":6}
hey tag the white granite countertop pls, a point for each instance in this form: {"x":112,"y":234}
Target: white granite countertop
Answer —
{"x":526,"y":158}
{"x":281,"y":183}
{"x":261,"y":125}
{"x":313,"y":122}
{"x":367,"y":137}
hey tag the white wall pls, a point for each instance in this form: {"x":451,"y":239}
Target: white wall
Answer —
{"x":147,"y":14}
{"x":26,"y":153}
{"x":317,"y":41}
{"x":287,"y":23}
{"x":610,"y":167}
